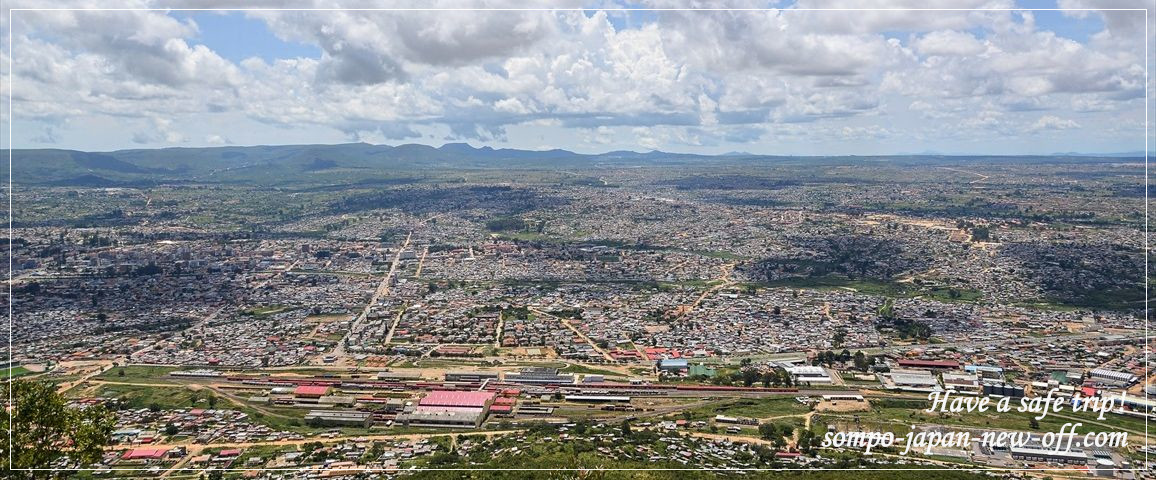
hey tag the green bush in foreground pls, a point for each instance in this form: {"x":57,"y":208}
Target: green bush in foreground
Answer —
{"x":44,"y":429}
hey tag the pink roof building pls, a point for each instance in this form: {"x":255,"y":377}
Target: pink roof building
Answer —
{"x":144,"y":454}
{"x":311,"y":391}
{"x":447,"y":398}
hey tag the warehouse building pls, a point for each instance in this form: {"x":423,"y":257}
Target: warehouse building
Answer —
{"x":539,"y":376}
{"x":930,"y":364}
{"x":441,"y":417}
{"x":1112,"y":377}
{"x":336,"y":401}
{"x":809,"y":374}
{"x":961,"y":382}
{"x":1038,"y":453}
{"x":444,"y":408}
{"x":344,"y":418}
{"x":310,"y":393}
{"x":985,"y":372}
{"x":673,"y":365}
{"x":916,"y":380}
{"x":470,"y":376}
{"x":457,"y":399}
{"x":597,"y":398}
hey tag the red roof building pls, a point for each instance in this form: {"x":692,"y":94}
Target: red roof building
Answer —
{"x":447,"y":398}
{"x":501,"y":409}
{"x":230,"y":453}
{"x":311,"y":391}
{"x":946,"y":364}
{"x":144,"y":454}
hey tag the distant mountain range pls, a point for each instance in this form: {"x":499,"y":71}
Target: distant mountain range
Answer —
{"x":1133,"y":154}
{"x":359,"y":162}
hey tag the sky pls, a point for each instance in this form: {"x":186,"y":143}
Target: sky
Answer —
{"x":783,"y":79}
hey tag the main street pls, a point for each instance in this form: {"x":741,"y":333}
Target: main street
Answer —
{"x":381,"y":291}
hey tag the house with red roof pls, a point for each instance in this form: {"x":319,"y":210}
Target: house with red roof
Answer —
{"x":145,"y":454}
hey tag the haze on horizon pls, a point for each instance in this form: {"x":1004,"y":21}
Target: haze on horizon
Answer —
{"x":782,"y":82}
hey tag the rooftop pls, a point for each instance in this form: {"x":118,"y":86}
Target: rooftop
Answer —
{"x":311,"y":390}
{"x":447,"y":398}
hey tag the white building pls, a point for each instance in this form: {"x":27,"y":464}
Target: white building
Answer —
{"x":809,"y":374}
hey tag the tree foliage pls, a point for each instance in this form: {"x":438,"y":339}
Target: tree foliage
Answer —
{"x":45,"y":429}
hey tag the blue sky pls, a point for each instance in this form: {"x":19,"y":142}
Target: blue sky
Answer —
{"x":236,"y":37}
{"x":778,"y":82}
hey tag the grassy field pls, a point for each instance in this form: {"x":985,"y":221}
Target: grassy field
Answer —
{"x":876,"y":287}
{"x":138,"y":374}
{"x":264,"y":311}
{"x":14,"y":372}
{"x":136,"y":396}
{"x":750,"y":407}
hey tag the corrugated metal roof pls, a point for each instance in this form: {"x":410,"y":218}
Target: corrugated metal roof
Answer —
{"x":312,"y":390}
{"x":447,"y":398}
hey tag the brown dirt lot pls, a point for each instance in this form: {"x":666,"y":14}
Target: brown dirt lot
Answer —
{"x":842,"y":406}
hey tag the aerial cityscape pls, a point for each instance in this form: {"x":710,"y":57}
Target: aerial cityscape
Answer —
{"x":485,"y":268}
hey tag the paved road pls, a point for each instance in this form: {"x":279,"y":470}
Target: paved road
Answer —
{"x":724,"y":277}
{"x":566,"y":323}
{"x":381,"y":291}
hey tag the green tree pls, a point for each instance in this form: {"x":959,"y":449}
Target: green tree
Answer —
{"x":768,"y":431}
{"x":860,"y":361}
{"x":44,"y":429}
{"x":750,"y":376}
{"x":784,"y":377}
{"x":807,"y":441}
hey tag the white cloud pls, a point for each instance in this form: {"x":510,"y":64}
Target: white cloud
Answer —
{"x":949,"y":43}
{"x":1052,"y":122}
{"x":697,"y":78}
{"x":599,"y":136}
